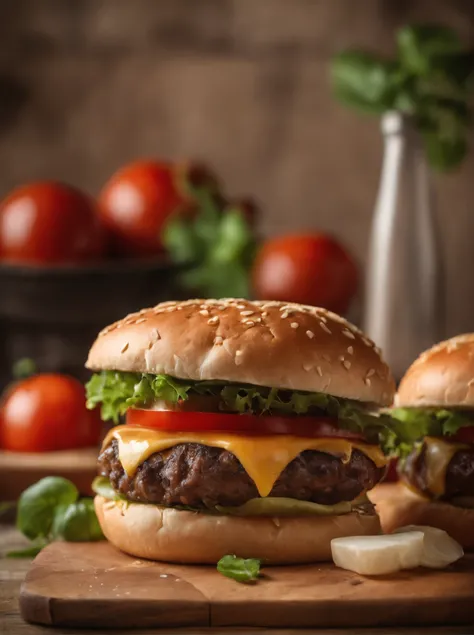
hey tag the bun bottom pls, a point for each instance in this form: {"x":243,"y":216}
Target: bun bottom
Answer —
{"x":398,"y":506}
{"x":170,"y":535}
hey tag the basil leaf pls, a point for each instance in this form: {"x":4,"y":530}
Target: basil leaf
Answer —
{"x":37,"y":505}
{"x":77,"y":522}
{"x":27,"y":552}
{"x":420,"y":45}
{"x":239,"y":569}
{"x":364,"y":81}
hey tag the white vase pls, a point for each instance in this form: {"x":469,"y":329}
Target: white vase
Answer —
{"x":404,"y":297}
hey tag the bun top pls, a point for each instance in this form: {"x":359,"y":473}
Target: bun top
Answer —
{"x":441,"y":376}
{"x":270,"y":344}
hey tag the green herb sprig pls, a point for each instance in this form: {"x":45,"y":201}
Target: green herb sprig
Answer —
{"x":240,"y":569}
{"x":216,"y":244}
{"x":430,"y":79}
{"x":52,"y":510}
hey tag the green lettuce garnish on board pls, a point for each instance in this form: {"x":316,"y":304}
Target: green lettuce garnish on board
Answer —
{"x":115,"y":392}
{"x":410,"y":425}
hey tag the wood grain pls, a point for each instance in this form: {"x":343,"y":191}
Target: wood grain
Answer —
{"x":93,"y":585}
{"x":20,"y":470}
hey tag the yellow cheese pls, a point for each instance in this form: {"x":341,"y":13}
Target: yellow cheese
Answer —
{"x":438,"y":454}
{"x":263,"y":457}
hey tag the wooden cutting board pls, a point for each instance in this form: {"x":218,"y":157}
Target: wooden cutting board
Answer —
{"x":93,"y":585}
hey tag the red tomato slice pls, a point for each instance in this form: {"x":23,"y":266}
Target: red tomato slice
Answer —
{"x":463,"y":435}
{"x":248,"y":424}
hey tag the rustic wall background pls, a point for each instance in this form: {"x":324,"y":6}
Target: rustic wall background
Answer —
{"x":86,"y":85}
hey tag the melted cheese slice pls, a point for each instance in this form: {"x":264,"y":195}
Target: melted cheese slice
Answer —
{"x":263,"y":457}
{"x":438,"y":455}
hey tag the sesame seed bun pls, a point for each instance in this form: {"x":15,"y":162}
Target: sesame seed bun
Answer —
{"x":171,"y":535}
{"x":263,"y":343}
{"x":442,"y":376}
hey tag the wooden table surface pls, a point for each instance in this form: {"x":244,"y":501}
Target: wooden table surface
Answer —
{"x":12,"y":572}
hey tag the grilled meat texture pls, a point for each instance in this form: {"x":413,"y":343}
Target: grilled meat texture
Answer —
{"x":202,"y":477}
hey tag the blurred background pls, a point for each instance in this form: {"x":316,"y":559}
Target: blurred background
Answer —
{"x":87,"y":86}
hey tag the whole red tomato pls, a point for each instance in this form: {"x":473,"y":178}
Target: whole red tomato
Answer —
{"x":47,"y":412}
{"x":138,"y":200}
{"x":49,"y":223}
{"x":306,"y":268}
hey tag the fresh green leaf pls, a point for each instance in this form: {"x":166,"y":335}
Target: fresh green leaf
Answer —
{"x":445,"y":152}
{"x":239,"y":569}
{"x":77,"y":522}
{"x":410,"y":425}
{"x":28,"y":552}
{"x":38,"y":503}
{"x":23,"y":368}
{"x":117,"y":395}
{"x":116,"y":392}
{"x":419,"y":46}
{"x":217,"y":244}
{"x":102,"y":486}
{"x":278,"y":506}
{"x":364,"y":81}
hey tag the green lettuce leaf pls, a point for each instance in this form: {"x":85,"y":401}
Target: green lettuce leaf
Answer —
{"x":277,"y":506}
{"x":115,"y":392}
{"x":410,"y":425}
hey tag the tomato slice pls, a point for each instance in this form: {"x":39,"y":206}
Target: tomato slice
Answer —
{"x":463,"y":435}
{"x":237,"y":423}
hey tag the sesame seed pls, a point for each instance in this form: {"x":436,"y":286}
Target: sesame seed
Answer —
{"x":307,"y":367}
{"x":124,"y":348}
{"x":310,"y":334}
{"x":179,"y":308}
{"x":264,"y":313}
{"x":294,"y":325}
{"x":238,"y":353}
{"x":325,"y":328}
{"x":370,"y":372}
{"x":218,"y":340}
{"x":204,"y":312}
{"x":284,"y":315}
{"x":341,"y":358}
{"x":140,"y":321}
{"x":213,"y":320}
{"x":367,"y":381}
{"x":348,"y":334}
{"x":346,"y":364}
{"x":241,"y":306}
{"x":320,"y":372}
{"x":350,"y":350}
{"x":249,"y":323}
{"x":322,"y":318}
{"x":119,"y":326}
{"x":246,"y":313}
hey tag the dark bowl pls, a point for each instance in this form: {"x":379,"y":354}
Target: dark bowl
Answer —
{"x":52,"y":314}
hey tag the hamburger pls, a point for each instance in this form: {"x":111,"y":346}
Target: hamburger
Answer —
{"x":435,"y":442}
{"x":250,"y":428}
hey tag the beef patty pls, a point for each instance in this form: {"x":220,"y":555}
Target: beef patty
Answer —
{"x":459,"y":474}
{"x":200,"y":476}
